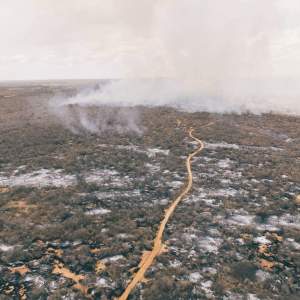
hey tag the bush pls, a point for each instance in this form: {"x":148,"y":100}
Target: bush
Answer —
{"x":244,"y":270}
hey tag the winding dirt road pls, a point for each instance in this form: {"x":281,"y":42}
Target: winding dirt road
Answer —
{"x":148,"y":259}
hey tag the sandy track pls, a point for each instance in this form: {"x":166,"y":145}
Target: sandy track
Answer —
{"x":148,"y":259}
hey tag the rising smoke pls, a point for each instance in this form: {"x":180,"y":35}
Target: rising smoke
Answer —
{"x":209,"y":55}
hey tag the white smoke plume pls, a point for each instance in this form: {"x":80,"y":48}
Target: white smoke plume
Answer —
{"x":204,"y":55}
{"x":85,"y":116}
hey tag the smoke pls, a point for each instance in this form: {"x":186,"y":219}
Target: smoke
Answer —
{"x":208,"y":55}
{"x":85,"y":116}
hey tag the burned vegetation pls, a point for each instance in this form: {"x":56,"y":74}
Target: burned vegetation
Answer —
{"x":79,"y":210}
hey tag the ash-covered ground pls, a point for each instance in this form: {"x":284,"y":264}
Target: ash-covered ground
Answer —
{"x":79,"y":210}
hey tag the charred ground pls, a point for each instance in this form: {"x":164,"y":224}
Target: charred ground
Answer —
{"x":90,"y":204}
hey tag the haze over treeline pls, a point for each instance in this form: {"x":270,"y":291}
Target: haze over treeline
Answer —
{"x":213,"y":55}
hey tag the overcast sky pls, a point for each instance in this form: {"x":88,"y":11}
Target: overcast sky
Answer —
{"x":52,"y":39}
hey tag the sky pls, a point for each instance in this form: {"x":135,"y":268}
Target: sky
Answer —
{"x":48,"y":39}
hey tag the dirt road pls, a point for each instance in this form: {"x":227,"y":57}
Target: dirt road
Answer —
{"x":158,"y":245}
